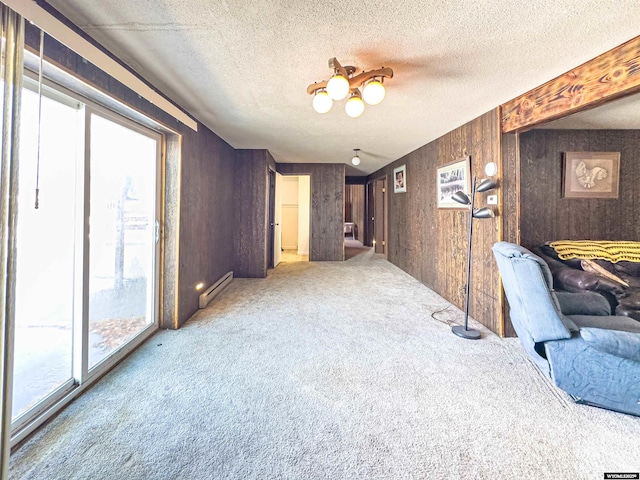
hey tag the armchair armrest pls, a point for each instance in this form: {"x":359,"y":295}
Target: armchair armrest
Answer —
{"x":614,"y":342}
{"x":583,"y":303}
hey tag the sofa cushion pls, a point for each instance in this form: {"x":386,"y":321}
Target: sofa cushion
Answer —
{"x":630,"y":268}
{"x":583,"y":303}
{"x":613,"y":322}
{"x":613,"y":342}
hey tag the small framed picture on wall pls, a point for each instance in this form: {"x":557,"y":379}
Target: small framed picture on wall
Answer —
{"x":591,"y":175}
{"x":453,"y":177}
{"x":400,"y":179}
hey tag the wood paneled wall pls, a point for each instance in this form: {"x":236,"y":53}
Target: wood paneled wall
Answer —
{"x":206,"y":204}
{"x":327,"y":207}
{"x":510,"y":186}
{"x":354,"y":208}
{"x":251,"y":213}
{"x":546,"y":216}
{"x":205,"y":185}
{"x":430,"y":243}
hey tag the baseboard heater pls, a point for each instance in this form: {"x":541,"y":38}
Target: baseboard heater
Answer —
{"x":211,"y":292}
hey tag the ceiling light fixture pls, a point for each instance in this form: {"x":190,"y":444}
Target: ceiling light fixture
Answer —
{"x":322,"y":102}
{"x":354,"y":106}
{"x":338,"y":87}
{"x":373,"y":92}
{"x":356,"y":159}
{"x":344,"y":83}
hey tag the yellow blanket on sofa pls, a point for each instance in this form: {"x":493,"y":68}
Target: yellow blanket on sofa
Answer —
{"x":600,"y":250}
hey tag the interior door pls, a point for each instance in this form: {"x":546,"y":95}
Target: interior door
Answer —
{"x":369,"y":232}
{"x":379,"y":229}
{"x":277,"y":228}
{"x":271,"y":216}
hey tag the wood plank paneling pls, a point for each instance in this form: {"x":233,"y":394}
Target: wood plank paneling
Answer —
{"x":378,"y":216}
{"x":327,"y":207}
{"x":251,"y":213}
{"x":205,"y":188}
{"x":611,"y":75}
{"x":206,"y":250}
{"x":430,"y":243}
{"x":510,"y":184}
{"x":546,"y":216}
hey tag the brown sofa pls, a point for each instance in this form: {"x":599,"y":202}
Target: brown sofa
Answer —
{"x":621,"y":289}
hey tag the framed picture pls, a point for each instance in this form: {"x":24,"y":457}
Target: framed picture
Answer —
{"x":400,"y":179}
{"x":591,"y":175}
{"x":453,"y":177}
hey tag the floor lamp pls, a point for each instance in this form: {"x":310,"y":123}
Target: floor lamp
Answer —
{"x":461,"y":197}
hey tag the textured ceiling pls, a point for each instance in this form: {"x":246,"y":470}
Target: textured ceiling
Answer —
{"x":242,"y":67}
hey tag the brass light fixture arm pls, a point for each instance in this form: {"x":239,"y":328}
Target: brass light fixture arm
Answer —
{"x":354,"y":82}
{"x":344,"y":71}
{"x":359,"y":79}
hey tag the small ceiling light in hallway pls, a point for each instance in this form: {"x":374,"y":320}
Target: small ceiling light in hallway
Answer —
{"x":356,"y":159}
{"x":344,"y":83}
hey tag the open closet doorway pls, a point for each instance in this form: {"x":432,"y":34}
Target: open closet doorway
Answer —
{"x":294,"y":206}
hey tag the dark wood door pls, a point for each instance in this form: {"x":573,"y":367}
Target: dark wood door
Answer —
{"x":379,"y":215}
{"x":272,"y":216}
{"x":370,"y":212}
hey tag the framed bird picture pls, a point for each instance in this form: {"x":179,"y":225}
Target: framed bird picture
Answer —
{"x":591,"y":175}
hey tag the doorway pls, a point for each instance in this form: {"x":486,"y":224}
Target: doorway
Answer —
{"x":294,"y":207}
{"x":379,"y":218}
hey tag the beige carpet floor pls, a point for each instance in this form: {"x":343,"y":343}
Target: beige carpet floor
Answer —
{"x":336,"y":370}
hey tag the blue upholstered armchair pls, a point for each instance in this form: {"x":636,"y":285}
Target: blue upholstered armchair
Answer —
{"x":572,"y":337}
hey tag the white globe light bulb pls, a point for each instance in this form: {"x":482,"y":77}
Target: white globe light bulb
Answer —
{"x":338,"y":87}
{"x":373,"y":92}
{"x":490,"y":169}
{"x":354,"y":106}
{"x":322,"y":102}
{"x":355,"y":160}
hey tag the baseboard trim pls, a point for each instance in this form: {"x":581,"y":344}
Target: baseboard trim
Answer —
{"x":214,"y":290}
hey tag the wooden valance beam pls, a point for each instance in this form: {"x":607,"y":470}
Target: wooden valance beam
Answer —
{"x":613,"y":74}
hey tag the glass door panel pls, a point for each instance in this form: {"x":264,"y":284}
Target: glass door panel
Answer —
{"x":122,"y":246}
{"x":43,"y":356}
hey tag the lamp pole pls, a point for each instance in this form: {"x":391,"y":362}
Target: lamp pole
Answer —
{"x":465,"y":332}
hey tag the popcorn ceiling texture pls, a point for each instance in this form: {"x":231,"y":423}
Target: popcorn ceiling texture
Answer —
{"x":242,"y":67}
{"x":331,"y":370}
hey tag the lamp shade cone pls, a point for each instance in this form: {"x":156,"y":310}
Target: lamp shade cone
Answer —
{"x":461,"y":197}
{"x":486,"y":184}
{"x":483,"y":213}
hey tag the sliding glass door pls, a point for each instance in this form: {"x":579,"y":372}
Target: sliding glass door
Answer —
{"x":43,"y":358}
{"x":88,"y":254}
{"x":123,"y":234}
